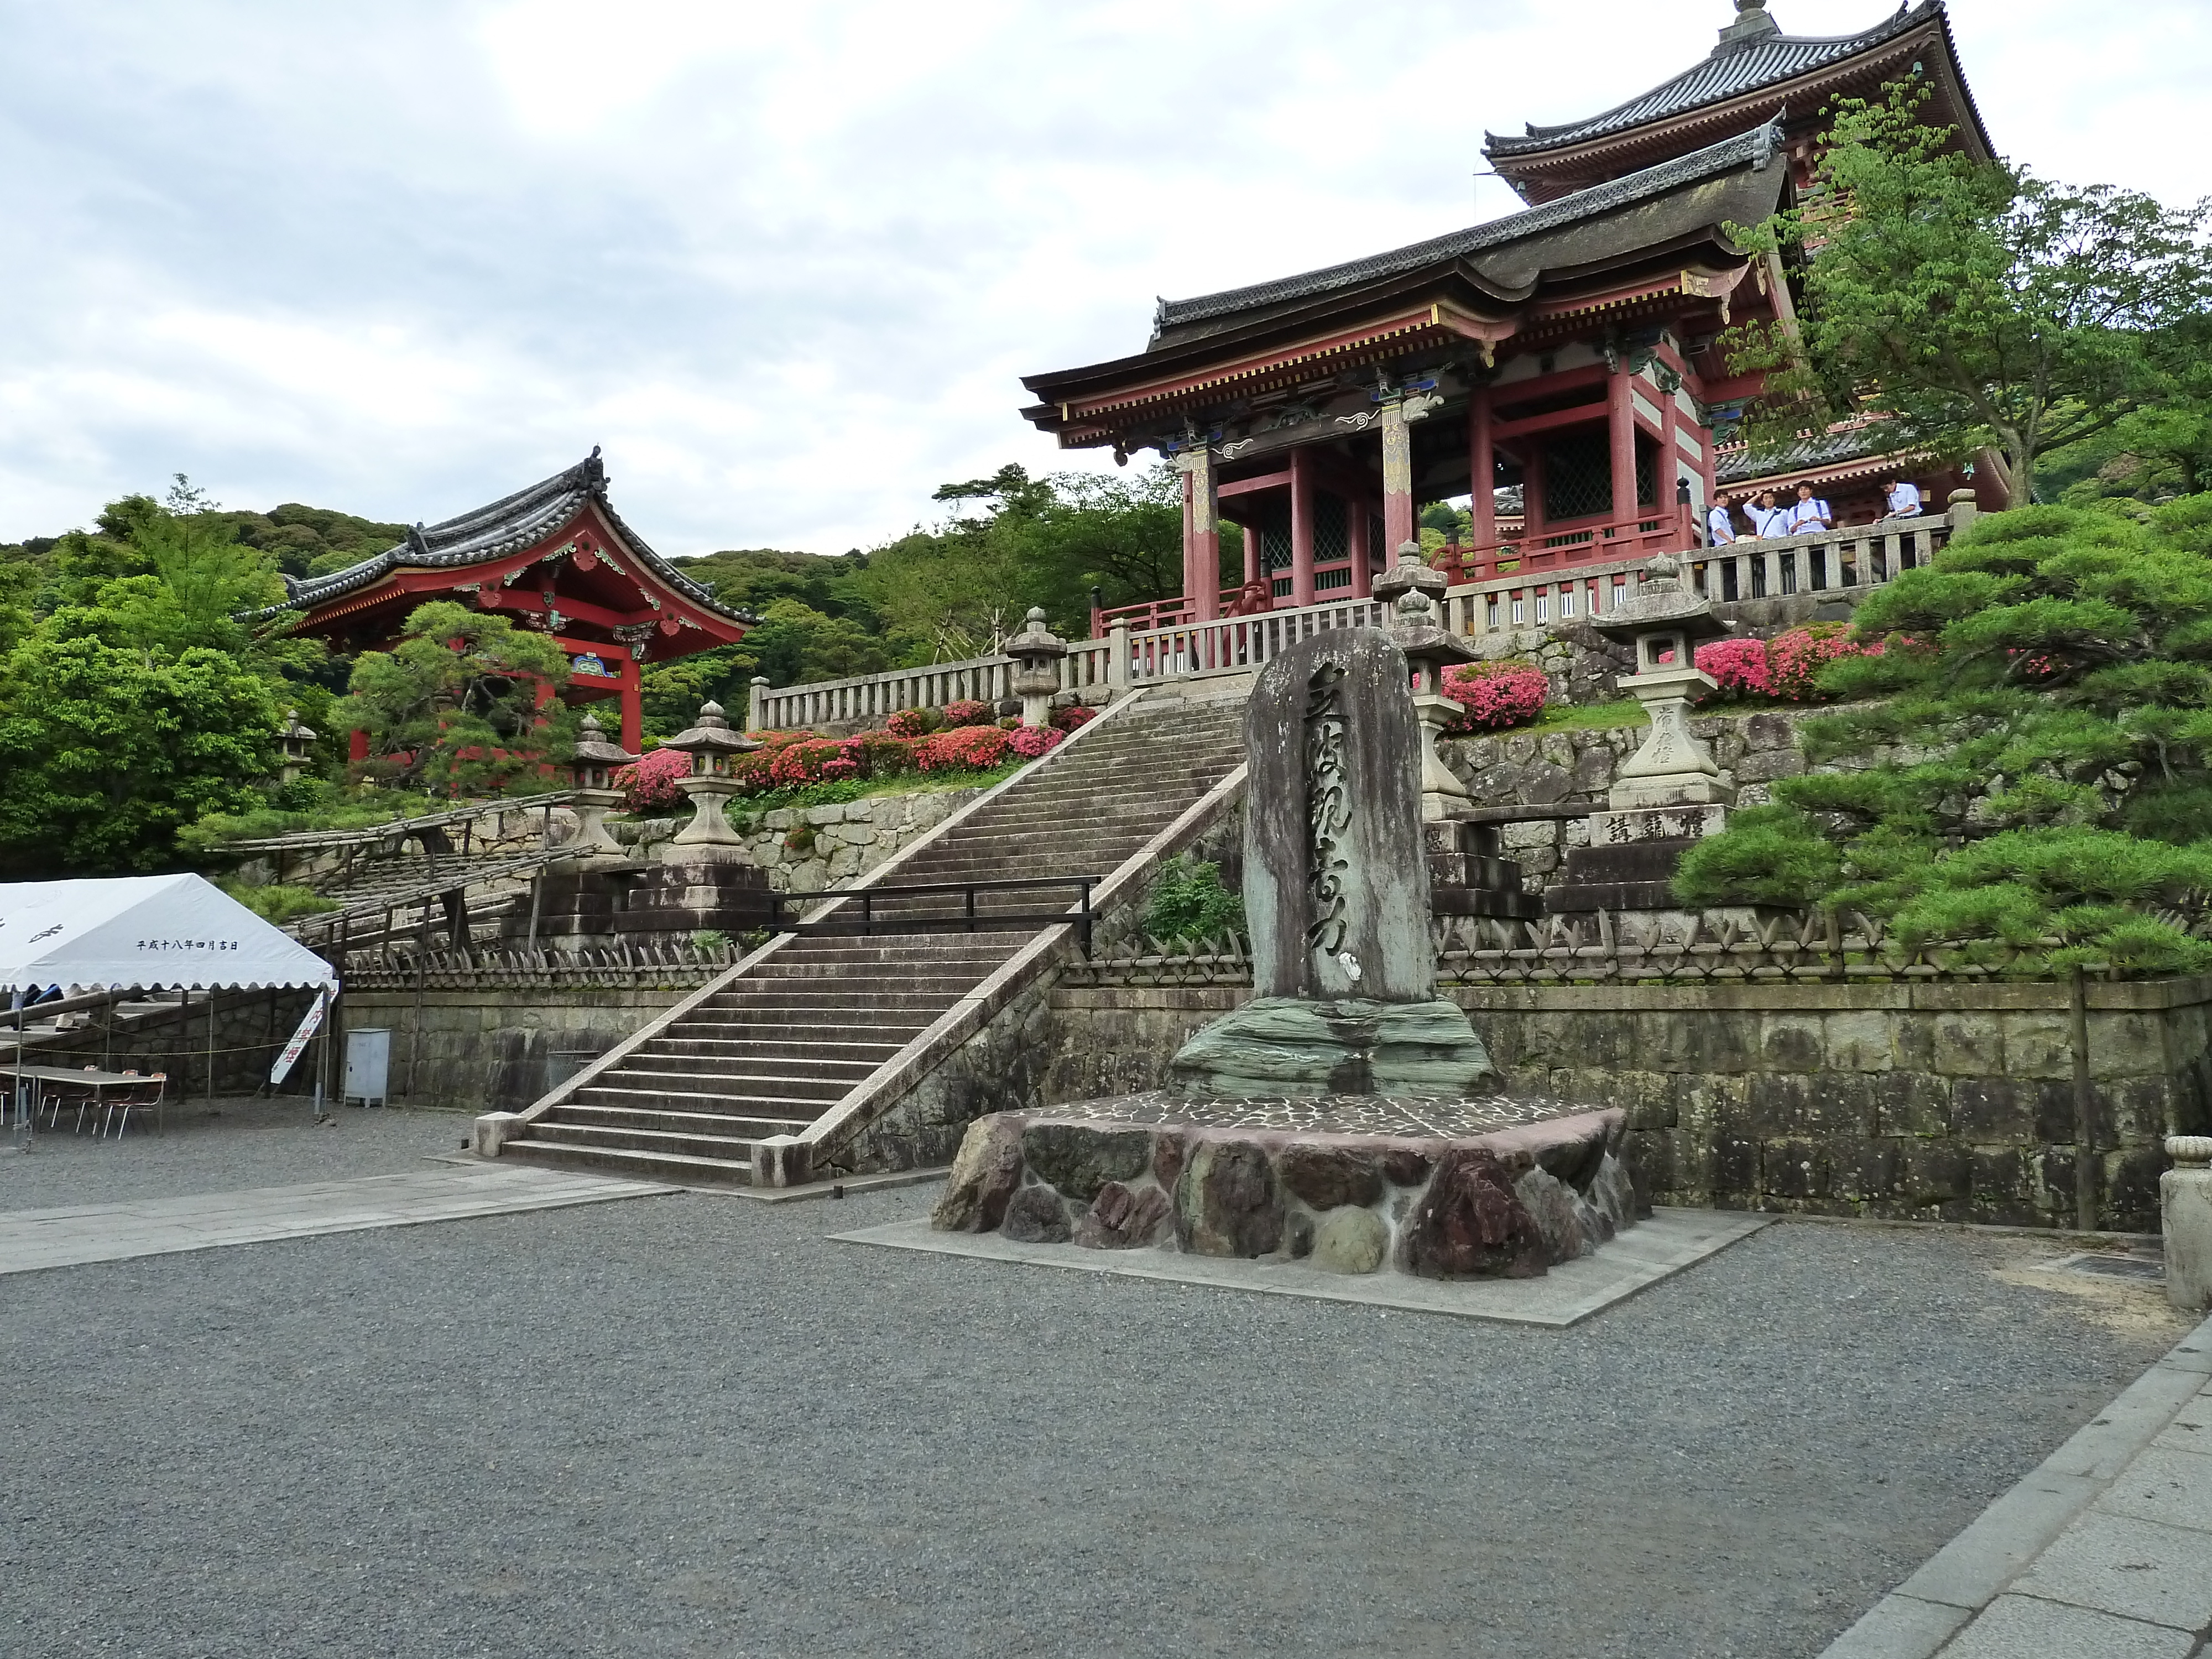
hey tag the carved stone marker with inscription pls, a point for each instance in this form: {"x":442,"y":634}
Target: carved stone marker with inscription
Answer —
{"x":1336,"y":893}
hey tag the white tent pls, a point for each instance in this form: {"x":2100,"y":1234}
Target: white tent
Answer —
{"x":145,"y":933}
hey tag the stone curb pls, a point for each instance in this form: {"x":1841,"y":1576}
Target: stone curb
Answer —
{"x":1916,"y":1618}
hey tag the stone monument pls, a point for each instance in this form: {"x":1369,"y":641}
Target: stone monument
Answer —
{"x":1336,"y":894}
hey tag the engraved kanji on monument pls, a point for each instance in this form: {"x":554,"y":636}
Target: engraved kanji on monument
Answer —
{"x":1336,"y":892}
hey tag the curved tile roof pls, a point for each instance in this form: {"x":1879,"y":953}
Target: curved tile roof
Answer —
{"x":1735,"y":67}
{"x":507,"y":525}
{"x":1753,"y":148}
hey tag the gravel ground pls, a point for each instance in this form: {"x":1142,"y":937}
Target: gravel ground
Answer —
{"x":246,"y":1142}
{"x":695,"y":1425}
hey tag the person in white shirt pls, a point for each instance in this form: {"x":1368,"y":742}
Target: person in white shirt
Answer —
{"x":1720,"y":524}
{"x":1767,"y":519}
{"x":1904,"y":499}
{"x":1810,"y":512}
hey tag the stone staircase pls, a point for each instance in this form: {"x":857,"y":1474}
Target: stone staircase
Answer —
{"x":784,"y":1040}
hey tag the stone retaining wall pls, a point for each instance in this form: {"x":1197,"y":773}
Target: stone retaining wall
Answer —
{"x":1923,"y":1101}
{"x":498,"y":1051}
{"x":1575,"y":768}
{"x":805,"y":849}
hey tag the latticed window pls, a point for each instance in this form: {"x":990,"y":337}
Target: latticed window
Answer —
{"x":1324,"y":580}
{"x":1578,"y":475}
{"x":1274,"y":524}
{"x":1332,"y":529}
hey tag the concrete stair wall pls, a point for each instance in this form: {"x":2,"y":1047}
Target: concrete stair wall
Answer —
{"x":766,"y":1071}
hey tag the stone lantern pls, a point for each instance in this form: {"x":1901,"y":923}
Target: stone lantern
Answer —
{"x":299,"y":744}
{"x":592,"y":765}
{"x":1662,"y":625}
{"x":1416,"y":631}
{"x":1036,"y":652}
{"x":714,"y":747}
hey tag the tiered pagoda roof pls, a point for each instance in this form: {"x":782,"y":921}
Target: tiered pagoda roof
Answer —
{"x":1757,"y":73}
{"x":1662,"y":229}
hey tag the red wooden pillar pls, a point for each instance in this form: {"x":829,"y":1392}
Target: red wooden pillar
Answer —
{"x":1355,"y":529}
{"x":1397,"y":482}
{"x":1532,"y":489}
{"x":1620,"y":419}
{"x":1251,"y":555}
{"x":1201,"y":533}
{"x":1482,"y":468}
{"x":1301,"y":528}
{"x":357,"y":745}
{"x":633,"y":706}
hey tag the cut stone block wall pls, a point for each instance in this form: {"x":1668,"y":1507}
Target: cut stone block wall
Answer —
{"x":1575,"y":768}
{"x":498,"y":1051}
{"x":1950,"y":1103}
{"x":805,"y":849}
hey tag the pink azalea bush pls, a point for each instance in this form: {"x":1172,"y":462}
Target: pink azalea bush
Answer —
{"x":1030,"y":741}
{"x":1073,"y":718}
{"x":1496,"y":695}
{"x":964,"y":749}
{"x":1740,"y":665}
{"x":1784,"y":668}
{"x":967,"y":711}
{"x":650,"y":783}
{"x":913,"y":722}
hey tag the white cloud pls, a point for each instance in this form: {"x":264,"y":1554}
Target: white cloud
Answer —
{"x":785,"y":264}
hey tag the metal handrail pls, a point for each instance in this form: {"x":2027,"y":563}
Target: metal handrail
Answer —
{"x":869,"y":923}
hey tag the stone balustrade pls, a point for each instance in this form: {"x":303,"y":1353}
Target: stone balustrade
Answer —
{"x":1544,"y":589}
{"x":866,"y":700}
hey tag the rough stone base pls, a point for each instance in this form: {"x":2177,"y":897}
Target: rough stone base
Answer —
{"x":1285,"y":1046}
{"x":1436,"y":1189}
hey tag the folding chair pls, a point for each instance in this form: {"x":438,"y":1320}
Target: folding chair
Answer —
{"x":148,"y":1096}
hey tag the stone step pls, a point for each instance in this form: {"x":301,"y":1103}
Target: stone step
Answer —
{"x":778,"y":1025}
{"x":757,"y":1081}
{"x":743,"y":1072}
{"x":733,"y":1149}
{"x":721,"y":1124}
{"x":796,"y":1052}
{"x":651,"y":1166}
{"x":701,"y":1100}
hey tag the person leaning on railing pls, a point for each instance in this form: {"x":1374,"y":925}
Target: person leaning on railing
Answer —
{"x":1904,"y":499}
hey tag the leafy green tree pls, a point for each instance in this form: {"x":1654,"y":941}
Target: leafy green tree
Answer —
{"x":456,"y":705}
{"x":1975,"y":305}
{"x":2034,"y":759}
{"x":109,"y":750}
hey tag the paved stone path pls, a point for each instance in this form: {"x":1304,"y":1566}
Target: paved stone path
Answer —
{"x":2105,"y":1549}
{"x":31,"y":1239}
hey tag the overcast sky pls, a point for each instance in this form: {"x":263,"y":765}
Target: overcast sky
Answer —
{"x":786,"y":263}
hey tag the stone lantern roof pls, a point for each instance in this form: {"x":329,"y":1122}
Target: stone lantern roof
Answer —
{"x":1412,"y":588}
{"x":593,"y":748}
{"x":1661,"y":603}
{"x":1035,"y":640}
{"x":713,"y":735}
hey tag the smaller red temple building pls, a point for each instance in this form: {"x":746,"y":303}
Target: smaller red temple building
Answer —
{"x":555,"y":558}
